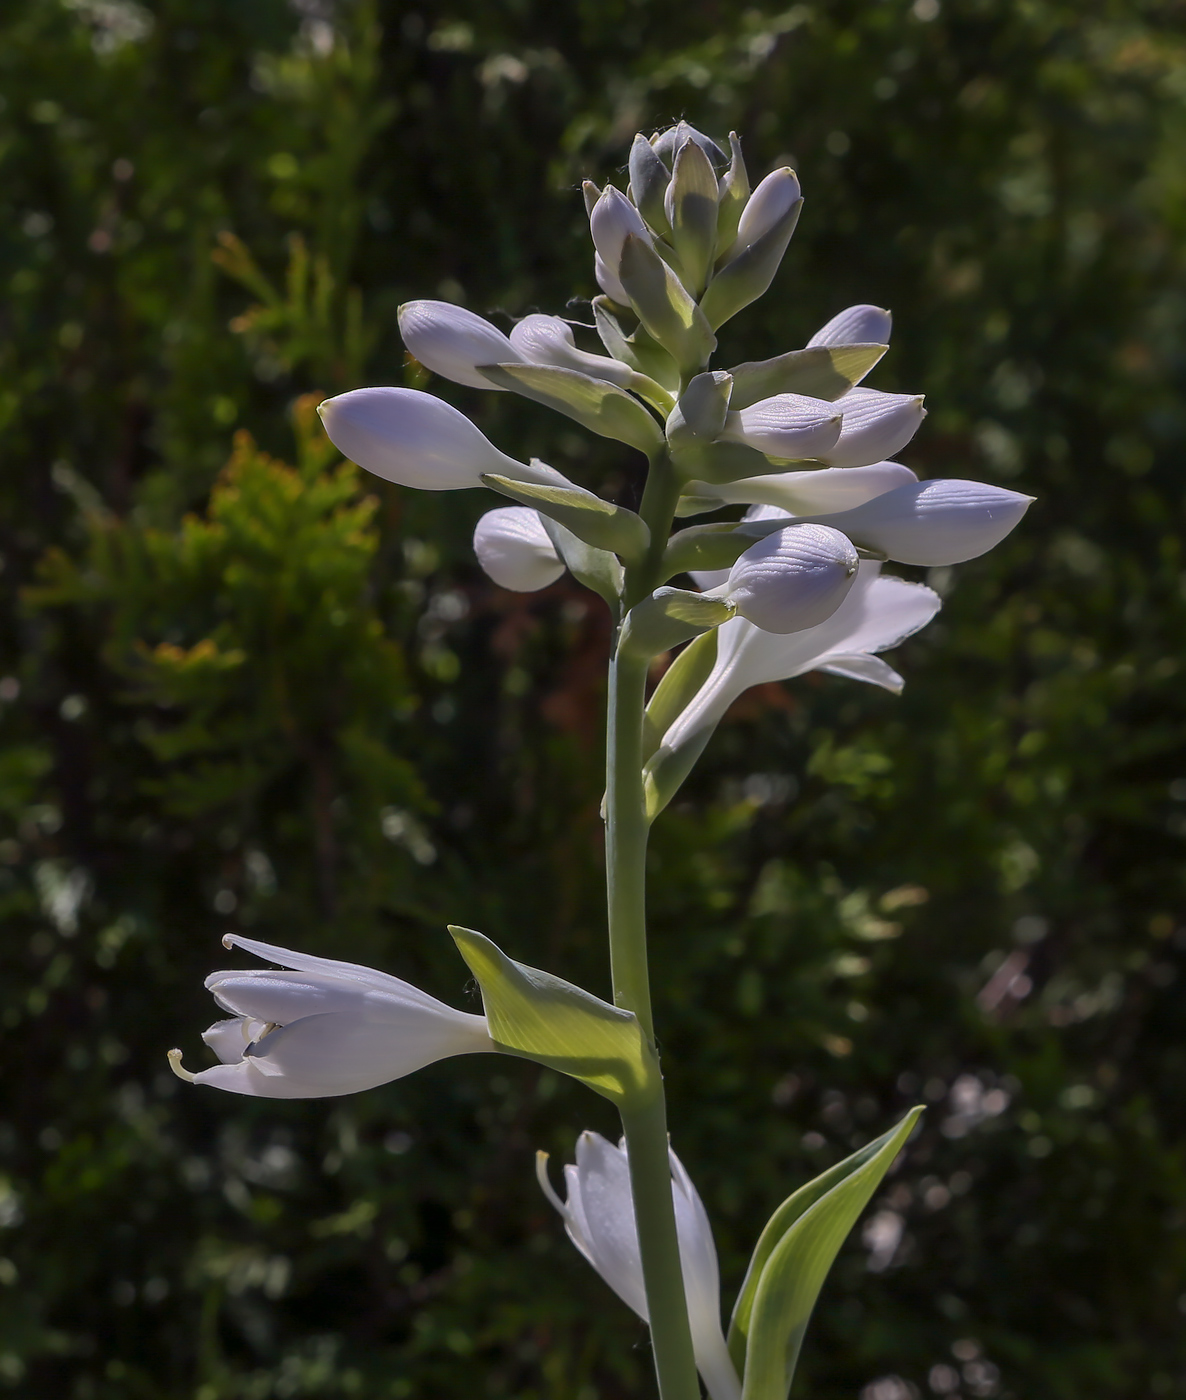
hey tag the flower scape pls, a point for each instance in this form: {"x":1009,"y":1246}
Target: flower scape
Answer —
{"x":798,"y":584}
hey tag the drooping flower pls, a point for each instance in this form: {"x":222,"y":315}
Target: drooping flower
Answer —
{"x":793,"y":579}
{"x":320,"y":1028}
{"x":415,"y":439}
{"x":878,"y":613}
{"x":599,"y":1219}
{"x":453,"y":342}
{"x":515,"y":550}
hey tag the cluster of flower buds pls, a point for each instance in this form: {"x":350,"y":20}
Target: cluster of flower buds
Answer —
{"x":684,"y":248}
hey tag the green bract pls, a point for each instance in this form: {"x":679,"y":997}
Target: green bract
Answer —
{"x":541,"y":1017}
{"x":595,"y":404}
{"x":820,"y":372}
{"x":671,"y":616}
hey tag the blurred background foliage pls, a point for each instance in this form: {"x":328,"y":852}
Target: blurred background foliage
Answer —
{"x":242,"y":687}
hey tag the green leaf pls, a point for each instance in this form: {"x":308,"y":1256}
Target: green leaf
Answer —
{"x":671,"y":616}
{"x":820,"y":372}
{"x":595,"y":404}
{"x":664,"y":307}
{"x":543,"y":1018}
{"x":597,"y":522}
{"x":750,"y":273}
{"x":792,"y":1259}
{"x":597,"y":569}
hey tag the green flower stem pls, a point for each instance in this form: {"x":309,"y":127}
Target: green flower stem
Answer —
{"x":645,"y":1120}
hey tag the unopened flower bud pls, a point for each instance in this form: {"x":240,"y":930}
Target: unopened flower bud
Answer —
{"x":547,"y":340}
{"x":856,"y":325}
{"x":417,"y":440}
{"x":612,"y":221}
{"x":515,"y":550}
{"x":774,"y":198}
{"x":667,"y":144}
{"x":794,"y":578}
{"x":875,"y":426}
{"x":791,"y":426}
{"x":453,"y":342}
{"x":934,"y":522}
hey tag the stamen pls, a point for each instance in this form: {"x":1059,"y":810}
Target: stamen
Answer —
{"x":228,"y":940}
{"x":541,"y":1175}
{"x":178,"y":1068}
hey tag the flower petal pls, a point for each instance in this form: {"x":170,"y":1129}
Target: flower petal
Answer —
{"x":515,"y":550}
{"x":451,"y":341}
{"x":855,"y":325}
{"x":875,"y":426}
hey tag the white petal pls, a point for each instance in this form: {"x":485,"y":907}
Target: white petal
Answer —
{"x":451,"y":341}
{"x":229,"y":1039}
{"x":875,"y":426}
{"x":606,"y":1210}
{"x":347,"y":1051}
{"x":609,"y":282}
{"x":856,"y":325}
{"x":599,"y":1218}
{"x":515,"y":550}
{"x":547,"y":340}
{"x":870,"y":669}
{"x":793,"y":579}
{"x":934,"y":522}
{"x":777,"y":194}
{"x":818,"y":492}
{"x":786,"y":425}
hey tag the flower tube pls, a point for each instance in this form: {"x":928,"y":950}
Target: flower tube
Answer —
{"x":418,"y":440}
{"x":599,"y":1219}
{"x":322,"y":1028}
{"x":453,"y":342}
{"x":815,"y":492}
{"x":515,"y":550}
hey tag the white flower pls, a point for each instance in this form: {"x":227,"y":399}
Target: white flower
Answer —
{"x":811,"y":492}
{"x":933,"y":522}
{"x":323,"y":1028}
{"x":417,"y":440}
{"x":599,"y":1218}
{"x":855,"y":325}
{"x":453,"y":342}
{"x":515,"y":550}
{"x":793,"y":579}
{"x":878,"y":613}
{"x":862,"y":427}
{"x":547,"y":340}
{"x":775,"y":197}
{"x":791,"y":426}
{"x":612,"y":219}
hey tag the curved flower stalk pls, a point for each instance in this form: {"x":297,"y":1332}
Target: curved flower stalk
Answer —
{"x":320,"y":1028}
{"x":599,"y":1219}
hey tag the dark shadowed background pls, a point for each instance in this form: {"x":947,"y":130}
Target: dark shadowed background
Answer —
{"x":244,"y":687}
